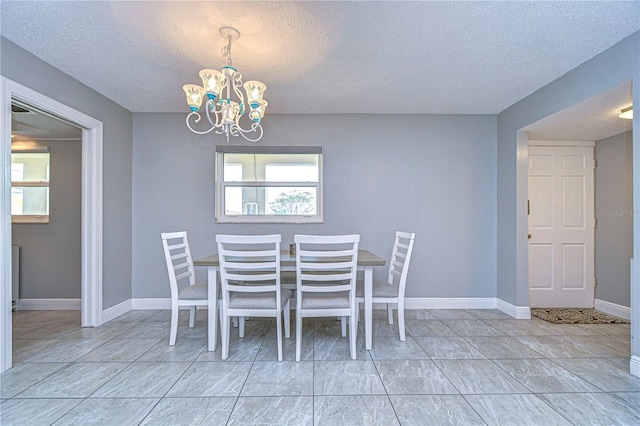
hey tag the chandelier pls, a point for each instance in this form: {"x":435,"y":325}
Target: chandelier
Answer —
{"x":225,"y":104}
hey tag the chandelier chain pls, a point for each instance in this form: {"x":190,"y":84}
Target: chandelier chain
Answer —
{"x":226,"y":51}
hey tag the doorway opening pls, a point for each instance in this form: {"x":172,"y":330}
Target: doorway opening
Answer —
{"x":46,"y":162}
{"x":91,"y":207}
{"x":593,"y":122}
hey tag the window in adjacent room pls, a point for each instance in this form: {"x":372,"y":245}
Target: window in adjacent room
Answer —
{"x":269,"y":184}
{"x":30,"y":186}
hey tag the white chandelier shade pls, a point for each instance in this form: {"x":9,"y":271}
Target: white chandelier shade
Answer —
{"x":225,"y":104}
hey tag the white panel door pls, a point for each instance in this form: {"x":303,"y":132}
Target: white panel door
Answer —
{"x":561,"y":221}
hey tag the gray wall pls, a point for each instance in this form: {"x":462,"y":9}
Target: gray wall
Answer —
{"x":615,"y":65}
{"x":26,"y":69}
{"x":434,"y":175}
{"x":614,"y":212}
{"x":452,"y":201}
{"x":50,"y":252}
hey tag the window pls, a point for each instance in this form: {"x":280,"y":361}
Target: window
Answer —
{"x":30,"y":186}
{"x":268,"y":184}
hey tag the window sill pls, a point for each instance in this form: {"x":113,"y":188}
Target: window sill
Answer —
{"x":29,"y":219}
{"x":269,"y":219}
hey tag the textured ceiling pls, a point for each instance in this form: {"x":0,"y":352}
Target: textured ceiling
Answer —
{"x":30,"y":124}
{"x":323,"y":57}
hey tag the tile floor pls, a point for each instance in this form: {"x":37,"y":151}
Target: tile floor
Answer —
{"x":456,"y":367}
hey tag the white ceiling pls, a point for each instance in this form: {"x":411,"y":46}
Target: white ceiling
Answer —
{"x":448,"y":57}
{"x":593,"y":119}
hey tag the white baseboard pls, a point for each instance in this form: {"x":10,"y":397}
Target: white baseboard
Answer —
{"x":634,"y":365}
{"x":151,"y":303}
{"x":117,"y":310}
{"x":612,"y":309}
{"x":50,"y":304}
{"x":517,"y":312}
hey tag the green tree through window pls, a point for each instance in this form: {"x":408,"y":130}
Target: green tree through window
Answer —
{"x":293,"y":202}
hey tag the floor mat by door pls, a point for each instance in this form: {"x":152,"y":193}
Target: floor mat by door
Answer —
{"x":576,"y":316}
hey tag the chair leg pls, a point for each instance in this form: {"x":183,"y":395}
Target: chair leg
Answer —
{"x":226,"y":330}
{"x":343,"y":326}
{"x":174,"y":326}
{"x":298,"y":336}
{"x":287,"y":320}
{"x":192,"y":316}
{"x":352,"y":335}
{"x":401,"y":320}
{"x":235,"y":322}
{"x":240,"y":326}
{"x":390,"y":312}
{"x":279,"y":335}
{"x":218,"y":307}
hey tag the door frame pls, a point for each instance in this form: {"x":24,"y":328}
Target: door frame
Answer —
{"x":559,"y":143}
{"x":91,"y":205}
{"x":521,"y":226}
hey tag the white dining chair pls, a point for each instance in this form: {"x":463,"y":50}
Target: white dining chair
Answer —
{"x":250,"y":277}
{"x":185,"y":292}
{"x":326,"y":269}
{"x":391,"y":291}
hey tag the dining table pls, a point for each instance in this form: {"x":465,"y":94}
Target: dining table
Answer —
{"x":366,"y":262}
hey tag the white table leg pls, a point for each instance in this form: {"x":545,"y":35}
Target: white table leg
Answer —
{"x":368,"y":306}
{"x":212,"y":293}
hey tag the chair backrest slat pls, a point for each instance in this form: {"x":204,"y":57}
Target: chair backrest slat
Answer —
{"x":183,"y":275}
{"x":324,"y":288}
{"x":402,"y":246}
{"x":249,"y":253}
{"x":178,"y":266}
{"x":179,"y":245}
{"x":179,"y":255}
{"x":400,"y":255}
{"x":396,"y":264}
{"x":306,"y":265}
{"x":251,"y":288}
{"x":396,"y":273}
{"x":324,"y":253}
{"x":248,"y":266}
{"x":325,"y":277}
{"x":251,"y":277}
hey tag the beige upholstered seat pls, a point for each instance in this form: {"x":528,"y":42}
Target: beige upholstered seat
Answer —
{"x":258,"y":300}
{"x":380,"y":289}
{"x":194,"y":292}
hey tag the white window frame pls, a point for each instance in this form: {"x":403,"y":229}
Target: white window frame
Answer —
{"x":221,"y":185}
{"x":32,"y":218}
